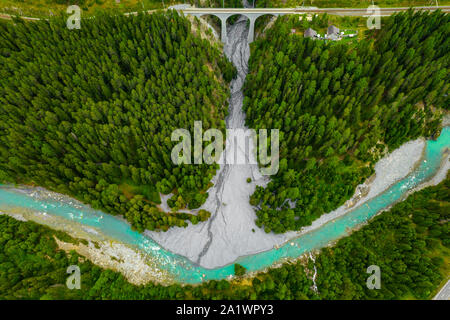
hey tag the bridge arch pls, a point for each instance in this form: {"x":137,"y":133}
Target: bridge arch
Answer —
{"x":251,"y":30}
{"x":234,"y":15}
{"x":223,"y":21}
{"x":214,"y":17}
{"x":223,"y":16}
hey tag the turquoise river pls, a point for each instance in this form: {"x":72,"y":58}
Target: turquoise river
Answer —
{"x":185,"y":271}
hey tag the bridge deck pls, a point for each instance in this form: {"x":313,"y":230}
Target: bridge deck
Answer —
{"x":351,"y":11}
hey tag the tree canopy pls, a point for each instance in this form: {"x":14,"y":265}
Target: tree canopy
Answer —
{"x":340,"y":107}
{"x":410,"y":243}
{"x":90,"y":112}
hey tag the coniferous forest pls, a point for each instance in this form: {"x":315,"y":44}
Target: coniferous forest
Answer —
{"x":340,"y":107}
{"x":410,"y":243}
{"x":90,"y":112}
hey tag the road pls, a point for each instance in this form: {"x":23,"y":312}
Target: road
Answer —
{"x":335,"y":11}
{"x":444,"y":294}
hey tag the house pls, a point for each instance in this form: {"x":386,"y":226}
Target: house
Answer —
{"x":333,"y":30}
{"x":333,"y":37}
{"x":310,"y":33}
{"x":333,"y":33}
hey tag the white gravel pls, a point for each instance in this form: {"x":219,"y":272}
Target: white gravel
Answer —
{"x":118,"y":257}
{"x":138,"y":267}
{"x":390,"y":169}
{"x":229,"y":234}
{"x":229,"y":231}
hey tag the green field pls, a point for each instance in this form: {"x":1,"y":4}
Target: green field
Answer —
{"x":43,"y":8}
{"x":346,"y":3}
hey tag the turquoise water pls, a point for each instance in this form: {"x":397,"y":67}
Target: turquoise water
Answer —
{"x":187,"y":272}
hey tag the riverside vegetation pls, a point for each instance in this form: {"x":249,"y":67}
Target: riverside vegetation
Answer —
{"x":98,"y":132}
{"x":90,"y":112}
{"x":341,"y":106}
{"x":410,"y":243}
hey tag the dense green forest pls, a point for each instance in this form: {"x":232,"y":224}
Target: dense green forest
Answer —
{"x":340,"y":106}
{"x":90,"y":112}
{"x":410,"y":243}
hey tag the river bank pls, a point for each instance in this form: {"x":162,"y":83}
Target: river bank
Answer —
{"x":388,"y":170}
{"x":230,"y":235}
{"x":136,"y":266}
{"x":233,"y":240}
{"x":66,"y":214}
{"x":231,"y":231}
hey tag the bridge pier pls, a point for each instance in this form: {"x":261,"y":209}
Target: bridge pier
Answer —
{"x":252,"y":19}
{"x":223,"y":29}
{"x":251,"y":29}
